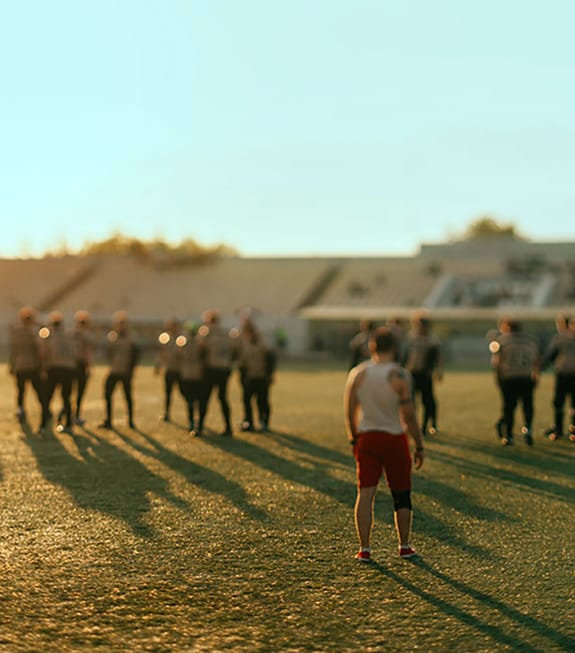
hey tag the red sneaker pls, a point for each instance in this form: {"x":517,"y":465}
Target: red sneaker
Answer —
{"x":407,"y":552}
{"x":363,"y":556}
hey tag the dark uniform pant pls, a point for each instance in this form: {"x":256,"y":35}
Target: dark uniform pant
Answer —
{"x":423,"y":385}
{"x":515,"y":390}
{"x":111,"y":381}
{"x":258,"y":388}
{"x":564,"y":388}
{"x":216,"y":377}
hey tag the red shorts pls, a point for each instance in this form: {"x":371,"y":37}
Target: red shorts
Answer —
{"x":377,"y":452}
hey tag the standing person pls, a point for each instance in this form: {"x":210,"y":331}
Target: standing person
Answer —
{"x":25,"y":363}
{"x":397,"y":327}
{"x":169,"y":359}
{"x":257,"y":363}
{"x":359,"y":344}
{"x":515,"y":360}
{"x":84,"y":348}
{"x":59,"y":362}
{"x":561,"y":352}
{"x":123,"y":355}
{"x":493,"y":338}
{"x":192,"y":375}
{"x":425,"y":363}
{"x":379,"y":415}
{"x":219,"y":350}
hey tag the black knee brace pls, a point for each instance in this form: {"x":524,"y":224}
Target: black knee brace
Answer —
{"x":401,"y":500}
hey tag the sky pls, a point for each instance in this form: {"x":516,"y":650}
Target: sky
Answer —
{"x":285,"y":127}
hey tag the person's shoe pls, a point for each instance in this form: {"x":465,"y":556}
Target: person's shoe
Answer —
{"x":554,"y":435}
{"x":132,"y":425}
{"x":166,"y":417}
{"x":499,"y":428}
{"x":105,"y":424}
{"x":246,"y":426}
{"x":79,"y":421}
{"x":507,"y":441}
{"x":363,"y":556}
{"x":528,"y":436}
{"x":406,"y":551}
{"x":433,"y":430}
{"x":195,"y":433}
{"x":227,"y":433}
{"x":264,"y":427}
{"x":65,"y":429}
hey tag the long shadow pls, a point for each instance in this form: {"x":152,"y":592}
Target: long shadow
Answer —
{"x":306,"y":446}
{"x":102,"y":477}
{"x":492,"y":473}
{"x":458,"y":500}
{"x":542,"y":459}
{"x":317,"y":478}
{"x":557,"y":638}
{"x":195,"y":474}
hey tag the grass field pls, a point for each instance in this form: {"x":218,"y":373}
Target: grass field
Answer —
{"x":149,"y":540}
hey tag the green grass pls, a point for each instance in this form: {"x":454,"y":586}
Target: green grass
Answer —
{"x":152,"y":541}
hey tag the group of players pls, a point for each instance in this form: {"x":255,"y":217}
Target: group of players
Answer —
{"x":516,"y":358}
{"x":195,"y":358}
{"x":517,"y":361}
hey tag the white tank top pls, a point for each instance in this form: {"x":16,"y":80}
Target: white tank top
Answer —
{"x":379,"y":402}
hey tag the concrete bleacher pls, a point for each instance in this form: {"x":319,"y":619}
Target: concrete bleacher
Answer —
{"x":390,"y":282}
{"x":305,"y":297}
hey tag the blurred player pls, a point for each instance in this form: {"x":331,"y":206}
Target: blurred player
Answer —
{"x":425,"y":363}
{"x":561,"y":352}
{"x":123,"y":354}
{"x":257,"y":363}
{"x":59,"y":361}
{"x":515,"y":361}
{"x":379,"y":415}
{"x":25,"y":363}
{"x":359,"y":344}
{"x":169,"y":359}
{"x":219,"y":350}
{"x":192,"y":380}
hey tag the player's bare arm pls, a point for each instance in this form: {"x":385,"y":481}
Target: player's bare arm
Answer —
{"x":351,"y":405}
{"x":400,"y":385}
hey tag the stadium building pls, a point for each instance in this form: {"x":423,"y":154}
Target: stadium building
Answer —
{"x":312,"y":306}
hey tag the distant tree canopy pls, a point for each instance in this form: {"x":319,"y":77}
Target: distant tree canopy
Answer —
{"x":158,"y":251}
{"x":486,"y":226}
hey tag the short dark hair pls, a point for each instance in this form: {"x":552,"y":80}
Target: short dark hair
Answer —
{"x":383,"y":340}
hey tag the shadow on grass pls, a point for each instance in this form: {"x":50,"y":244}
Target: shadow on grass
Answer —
{"x":318,"y":478}
{"x":455,"y":498}
{"x":497,"y":633}
{"x":305,"y":446}
{"x":100,"y":476}
{"x":494,"y":473}
{"x":557,"y":460}
{"x":315,"y":476}
{"x":195,"y":474}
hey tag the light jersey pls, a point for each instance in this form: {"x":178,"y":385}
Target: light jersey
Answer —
{"x":219,"y":347}
{"x":253,"y":358}
{"x":423,"y":354}
{"x":517,"y":356}
{"x":191,"y":364}
{"x":379,"y":402}
{"x":24,"y":348}
{"x":563,"y":352}
{"x":59,"y":349}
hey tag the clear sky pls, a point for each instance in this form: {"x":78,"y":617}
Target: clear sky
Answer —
{"x":290,"y":127}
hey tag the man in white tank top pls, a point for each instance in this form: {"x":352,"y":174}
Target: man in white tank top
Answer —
{"x":379,"y":415}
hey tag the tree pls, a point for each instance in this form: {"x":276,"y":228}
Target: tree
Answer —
{"x":486,"y":226}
